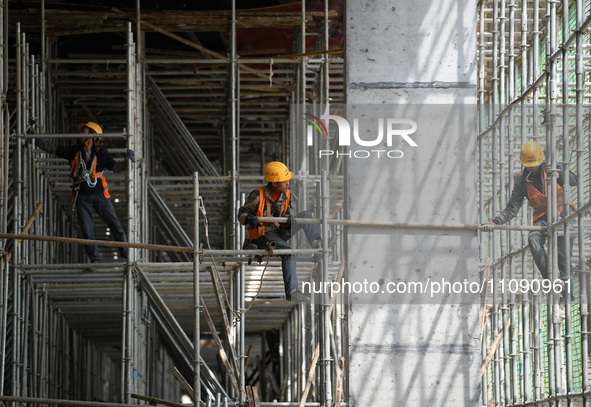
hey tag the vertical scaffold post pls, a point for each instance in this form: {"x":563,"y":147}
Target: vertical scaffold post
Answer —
{"x":325,"y":98}
{"x":526,"y":382}
{"x":495,"y":188}
{"x":303,"y":59}
{"x":536,"y":312}
{"x":583,"y":273}
{"x":325,"y":294}
{"x":242,"y":321}
{"x":566,"y":106}
{"x":481,"y":199}
{"x":16,"y":286}
{"x":554,"y":329}
{"x":4,"y":160}
{"x":129,"y":304}
{"x":234,"y":121}
{"x":512,"y":354}
{"x":196,"y":332}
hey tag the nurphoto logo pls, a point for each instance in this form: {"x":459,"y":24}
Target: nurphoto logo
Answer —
{"x":394,"y":130}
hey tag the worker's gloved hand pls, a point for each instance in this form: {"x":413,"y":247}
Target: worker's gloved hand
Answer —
{"x":130,"y":155}
{"x":486,"y":227}
{"x":46,"y":145}
{"x":251,"y":220}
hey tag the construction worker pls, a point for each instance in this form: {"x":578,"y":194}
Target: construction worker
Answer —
{"x":533,"y":185}
{"x":274,"y":199}
{"x":89,"y":188}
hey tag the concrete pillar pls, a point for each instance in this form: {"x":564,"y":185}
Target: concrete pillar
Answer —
{"x":414,"y":60}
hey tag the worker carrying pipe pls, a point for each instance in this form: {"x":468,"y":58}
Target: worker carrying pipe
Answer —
{"x":533,"y":185}
{"x":274,"y":199}
{"x":89,"y":187}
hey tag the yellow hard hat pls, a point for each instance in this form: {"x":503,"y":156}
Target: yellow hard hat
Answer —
{"x":276,"y":171}
{"x":91,"y":125}
{"x":531,"y":154}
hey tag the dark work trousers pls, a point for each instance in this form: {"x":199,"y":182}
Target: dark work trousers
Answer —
{"x":536,"y":240}
{"x":86,"y":205}
{"x":288,"y":261}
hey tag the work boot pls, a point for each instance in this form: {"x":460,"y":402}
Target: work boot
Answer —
{"x":317,"y":244}
{"x":297,"y":296}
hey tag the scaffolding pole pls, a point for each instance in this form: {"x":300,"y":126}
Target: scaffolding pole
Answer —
{"x":566,"y":168}
{"x":326,"y":305}
{"x":544,"y":357}
{"x":196,"y":306}
{"x":234,"y":101}
{"x":583,"y":273}
{"x":51,"y":297}
{"x":4,"y":172}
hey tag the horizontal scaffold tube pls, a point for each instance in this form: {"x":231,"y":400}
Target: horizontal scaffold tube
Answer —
{"x":75,"y":135}
{"x":60,"y":402}
{"x":288,"y":404}
{"x":155,"y":400}
{"x":398,"y":225}
{"x":107,"y":243}
{"x":182,"y":249}
{"x":255,"y":252}
{"x":148,"y":246}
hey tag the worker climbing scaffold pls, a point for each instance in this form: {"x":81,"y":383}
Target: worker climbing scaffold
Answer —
{"x":274,"y":200}
{"x":87,"y":162}
{"x":533,"y":185}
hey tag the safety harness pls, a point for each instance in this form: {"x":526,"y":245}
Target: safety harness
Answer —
{"x":539,"y":201}
{"x":265,"y":203}
{"x":81,"y":174}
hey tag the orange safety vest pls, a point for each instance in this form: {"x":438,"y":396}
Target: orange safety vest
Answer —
{"x":539,"y":201}
{"x":75,"y":172}
{"x":259,"y":231}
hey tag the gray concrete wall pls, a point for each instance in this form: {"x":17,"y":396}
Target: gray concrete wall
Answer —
{"x":414,"y":350}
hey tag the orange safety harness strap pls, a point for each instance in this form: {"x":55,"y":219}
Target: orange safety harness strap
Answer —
{"x":539,"y":201}
{"x":76,"y":164}
{"x":264,"y":203}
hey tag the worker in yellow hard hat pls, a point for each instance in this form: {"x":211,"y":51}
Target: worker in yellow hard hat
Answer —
{"x":274,"y":199}
{"x":89,"y":187}
{"x":532,"y":185}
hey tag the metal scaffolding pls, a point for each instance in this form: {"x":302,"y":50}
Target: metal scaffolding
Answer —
{"x":532,"y":68}
{"x":179,"y":316}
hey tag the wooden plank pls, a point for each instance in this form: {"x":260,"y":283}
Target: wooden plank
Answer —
{"x":220,"y":346}
{"x":283,"y":388}
{"x":248,"y":357}
{"x":24,"y":231}
{"x":493,"y":348}
{"x":273,"y":381}
{"x":310,"y":375}
{"x":155,"y":400}
{"x":338,"y":392}
{"x":226,"y":322}
{"x":185,"y":384}
{"x":249,"y":396}
{"x":482,"y":315}
{"x":255,"y":396}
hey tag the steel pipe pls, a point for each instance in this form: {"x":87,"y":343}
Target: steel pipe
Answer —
{"x":196,"y":292}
